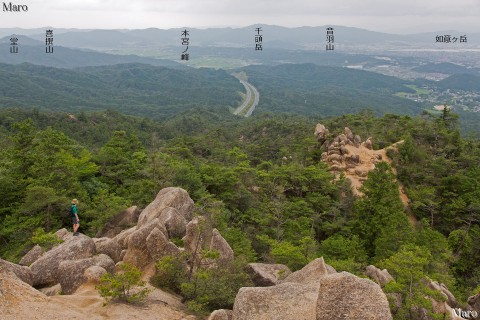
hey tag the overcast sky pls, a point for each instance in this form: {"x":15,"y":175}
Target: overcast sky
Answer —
{"x":406,"y":16}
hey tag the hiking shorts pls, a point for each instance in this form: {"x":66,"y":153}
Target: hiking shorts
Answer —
{"x":74,"y":220}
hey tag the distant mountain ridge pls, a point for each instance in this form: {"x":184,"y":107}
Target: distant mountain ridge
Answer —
{"x":280,"y":37}
{"x":468,"y":82}
{"x":33,"y":51}
{"x":446,"y":68}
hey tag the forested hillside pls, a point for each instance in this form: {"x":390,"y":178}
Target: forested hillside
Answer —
{"x":327,"y":91}
{"x":263,"y":185}
{"x":138,"y":89}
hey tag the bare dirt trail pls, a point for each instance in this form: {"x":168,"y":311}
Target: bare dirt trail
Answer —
{"x":18,"y":301}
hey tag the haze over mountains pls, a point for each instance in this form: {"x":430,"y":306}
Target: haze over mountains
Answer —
{"x":115,"y":118}
{"x":398,"y":62}
{"x":33,"y":51}
{"x":274,"y":37}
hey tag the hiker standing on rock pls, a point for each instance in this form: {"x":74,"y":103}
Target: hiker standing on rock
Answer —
{"x":74,"y":214}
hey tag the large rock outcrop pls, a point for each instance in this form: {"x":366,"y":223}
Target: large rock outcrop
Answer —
{"x":14,"y":291}
{"x":124,"y":220}
{"x":265,"y":275}
{"x":63,"y":234}
{"x":137,"y":250}
{"x":316,"y":292}
{"x":221,"y":245}
{"x":174,"y":222}
{"x":321,"y":133}
{"x":31,"y":256}
{"x":52,"y":291}
{"x":311,"y":273}
{"x":45,"y":269}
{"x":23,"y":273}
{"x":109,"y":247}
{"x":221,"y":314}
{"x":285,"y":301}
{"x":450,"y":298}
{"x":71,"y":272}
{"x":159,"y":246}
{"x":474,"y":303}
{"x":346,"y":154}
{"x":176,"y":198}
{"x":344,"y":296}
{"x":94,"y":274}
{"x":382,"y":277}
{"x":122,"y":237}
{"x":200,"y":235}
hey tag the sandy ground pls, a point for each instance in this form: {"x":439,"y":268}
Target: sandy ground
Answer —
{"x":367,"y":163}
{"x":18,"y":301}
{"x":368,"y":158}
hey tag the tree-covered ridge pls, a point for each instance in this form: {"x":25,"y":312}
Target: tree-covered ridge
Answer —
{"x":262,"y":182}
{"x":310,"y":89}
{"x":145,"y":90}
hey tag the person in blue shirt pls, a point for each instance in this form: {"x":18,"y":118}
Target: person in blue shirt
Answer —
{"x":75,"y":219}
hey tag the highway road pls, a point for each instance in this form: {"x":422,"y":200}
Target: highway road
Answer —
{"x":251,"y":99}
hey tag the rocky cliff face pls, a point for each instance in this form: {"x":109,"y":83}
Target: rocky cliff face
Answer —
{"x":443,"y":308}
{"x":316,"y":292}
{"x":347,"y":154}
{"x":80,"y":261}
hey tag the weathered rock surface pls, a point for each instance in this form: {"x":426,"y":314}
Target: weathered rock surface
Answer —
{"x":321,"y":133}
{"x":200,"y":235}
{"x":344,"y":296}
{"x":314,"y":292}
{"x":221,"y":314}
{"x":310,"y":274}
{"x":23,"y":273}
{"x":368,"y":144}
{"x":14,"y":289}
{"x":382,"y":277}
{"x":357,"y":140}
{"x":124,"y":220}
{"x":174,"y":222}
{"x":221,"y":245}
{"x":31,"y":256}
{"x":265,"y":275}
{"x":450,"y":298}
{"x":346,"y":154}
{"x":71,"y":272}
{"x":45,"y":269}
{"x":286,"y":301}
{"x":176,"y":198}
{"x":159,"y":246}
{"x":94,"y":273}
{"x":109,"y":247}
{"x":137,"y":252}
{"x":122,"y":237}
{"x":52,"y":291}
{"x":474,"y":303}
{"x":122,"y":255}
{"x":63,"y":234}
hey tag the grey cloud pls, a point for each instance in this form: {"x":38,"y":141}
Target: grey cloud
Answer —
{"x":371,"y":14}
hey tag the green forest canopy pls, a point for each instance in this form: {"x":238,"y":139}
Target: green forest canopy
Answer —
{"x":262,"y":182}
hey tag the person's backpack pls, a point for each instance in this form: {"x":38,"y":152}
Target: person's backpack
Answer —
{"x":70,"y":211}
